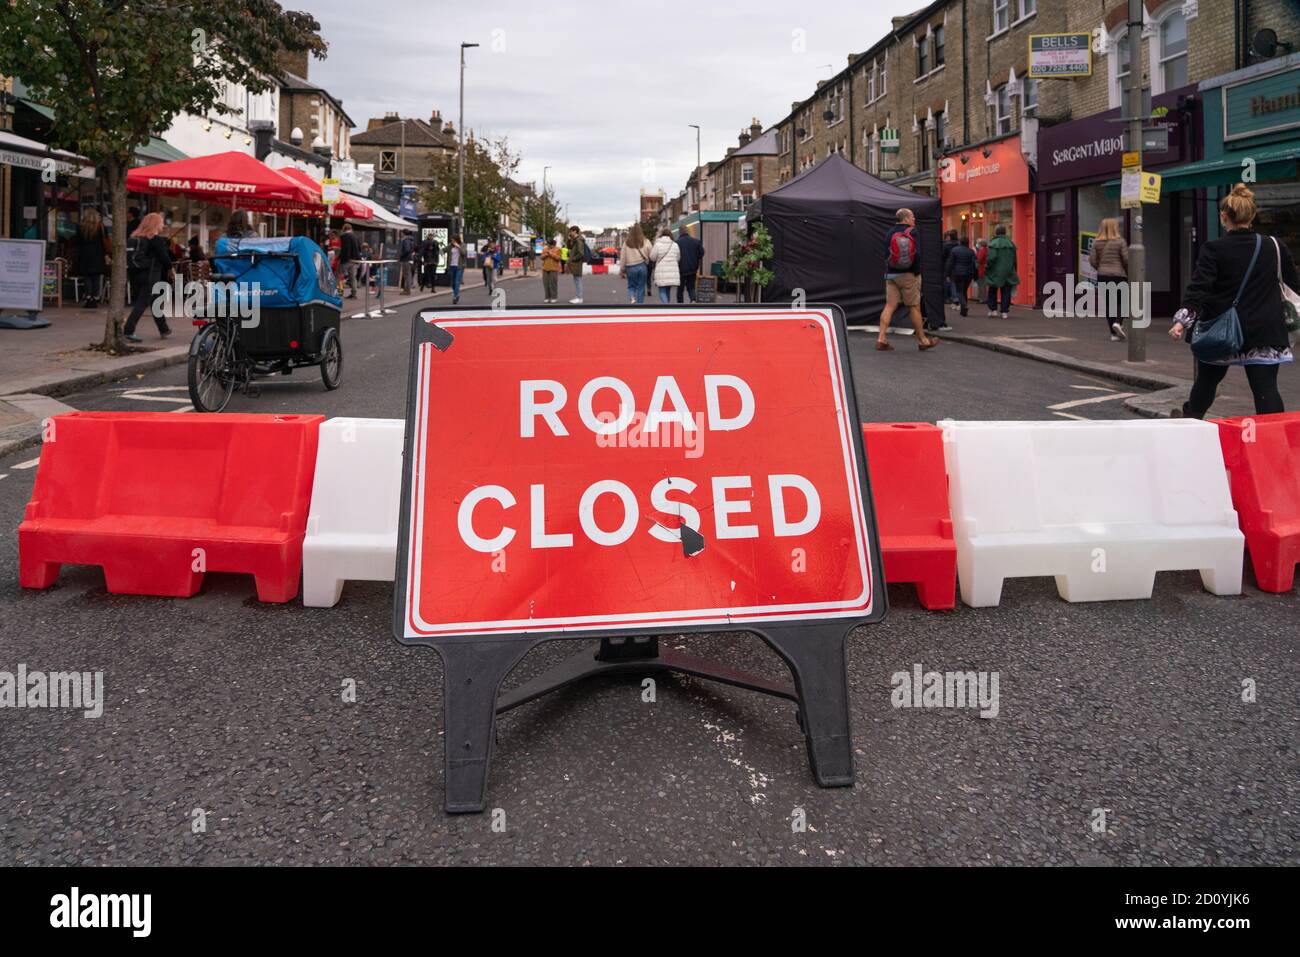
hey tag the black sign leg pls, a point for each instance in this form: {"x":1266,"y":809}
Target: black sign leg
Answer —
{"x":473,"y":672}
{"x":816,"y":654}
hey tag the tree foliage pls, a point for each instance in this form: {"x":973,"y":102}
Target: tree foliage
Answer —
{"x":489,"y":166}
{"x":116,"y":72}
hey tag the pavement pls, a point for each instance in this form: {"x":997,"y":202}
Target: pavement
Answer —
{"x":1083,"y":344}
{"x":223,"y":709}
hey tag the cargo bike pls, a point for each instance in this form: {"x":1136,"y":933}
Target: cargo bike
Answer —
{"x":272,"y":307}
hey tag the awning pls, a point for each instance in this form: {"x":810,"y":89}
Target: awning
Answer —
{"x":1278,"y":163}
{"x":19,"y":151}
{"x":347,"y":207}
{"x":382,"y":218}
{"x":233,"y":178}
{"x":159,"y":151}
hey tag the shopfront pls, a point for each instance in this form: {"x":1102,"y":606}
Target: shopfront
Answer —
{"x":986,"y":186}
{"x":1252,"y":135}
{"x":1078,"y":168}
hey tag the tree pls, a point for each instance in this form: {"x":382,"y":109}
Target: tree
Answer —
{"x":115,"y":72}
{"x":489,"y":164}
{"x":541,"y":215}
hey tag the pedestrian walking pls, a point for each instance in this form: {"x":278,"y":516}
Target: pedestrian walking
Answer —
{"x":147,"y":263}
{"x":577,"y":258}
{"x":195,"y":250}
{"x":1000,"y":272}
{"x":552,"y":262}
{"x":635,"y":257}
{"x":981,"y":257}
{"x":1109,"y":257}
{"x":489,"y":266}
{"x":1243,"y":270}
{"x":949,"y":290}
{"x":456,"y":266}
{"x":666,"y":255}
{"x":429,"y":253}
{"x":406,"y":263}
{"x":94,"y":249}
{"x":961,"y":271}
{"x":692,"y":257}
{"x":349,"y":258}
{"x":903,"y":280}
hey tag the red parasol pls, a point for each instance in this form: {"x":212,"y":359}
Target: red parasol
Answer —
{"x":346,"y":207}
{"x":235,"y":179}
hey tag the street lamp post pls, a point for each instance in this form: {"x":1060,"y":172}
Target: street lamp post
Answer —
{"x":460,"y":201}
{"x":546,"y":207}
{"x":696,"y":127}
{"x":1137,"y":325}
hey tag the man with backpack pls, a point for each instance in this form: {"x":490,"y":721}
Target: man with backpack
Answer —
{"x":903,"y":280}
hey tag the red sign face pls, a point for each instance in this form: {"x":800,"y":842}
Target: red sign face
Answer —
{"x":554,"y":458}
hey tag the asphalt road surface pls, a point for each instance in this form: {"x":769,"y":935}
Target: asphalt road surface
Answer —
{"x":228,"y":713}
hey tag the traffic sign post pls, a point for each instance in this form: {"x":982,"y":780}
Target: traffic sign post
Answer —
{"x":624,"y":473}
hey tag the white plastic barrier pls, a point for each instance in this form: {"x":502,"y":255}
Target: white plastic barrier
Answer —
{"x":1102,"y":506}
{"x":355,"y":500}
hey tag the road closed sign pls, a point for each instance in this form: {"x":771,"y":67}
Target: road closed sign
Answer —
{"x":631,"y":469}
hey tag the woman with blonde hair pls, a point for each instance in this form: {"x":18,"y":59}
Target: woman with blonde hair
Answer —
{"x":635,"y":259}
{"x":1109,"y":256}
{"x":93,"y":248}
{"x":148,"y":261}
{"x":1239,"y":270}
{"x":665,"y":254}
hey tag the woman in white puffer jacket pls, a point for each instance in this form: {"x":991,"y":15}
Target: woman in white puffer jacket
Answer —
{"x":665,"y":254}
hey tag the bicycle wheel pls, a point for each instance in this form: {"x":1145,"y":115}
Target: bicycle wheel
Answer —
{"x":211,"y":379}
{"x":331,"y":360}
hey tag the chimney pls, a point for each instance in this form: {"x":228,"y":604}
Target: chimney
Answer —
{"x":755,"y":129}
{"x":294,"y":62}
{"x":375,"y":123}
{"x":794,"y":107}
{"x":435,"y":119}
{"x":744,"y":137}
{"x":820,"y":84}
{"x":449,"y":129}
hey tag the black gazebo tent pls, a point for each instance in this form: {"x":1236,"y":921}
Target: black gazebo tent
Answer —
{"x":828,"y":229}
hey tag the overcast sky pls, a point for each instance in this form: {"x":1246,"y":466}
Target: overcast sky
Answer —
{"x":601,"y":92}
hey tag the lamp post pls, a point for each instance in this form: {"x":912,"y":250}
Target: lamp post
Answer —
{"x":696,"y":127}
{"x":460,"y":202}
{"x":546,"y":207}
{"x":1137,"y":325}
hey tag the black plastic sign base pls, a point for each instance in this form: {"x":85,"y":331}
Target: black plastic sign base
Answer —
{"x":478,"y":657}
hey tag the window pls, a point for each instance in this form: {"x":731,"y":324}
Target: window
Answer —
{"x":747,"y":173}
{"x":923,"y":56}
{"x":884,"y":75}
{"x":1001,"y":15}
{"x":1003,"y":110}
{"x":1028,"y":7}
{"x":1029,"y":96}
{"x":940,"y":129}
{"x":1125,"y":58}
{"x":871,"y":83}
{"x":388,"y":161}
{"x":922,"y":148}
{"x":938,"y":47}
{"x":1173,"y":51}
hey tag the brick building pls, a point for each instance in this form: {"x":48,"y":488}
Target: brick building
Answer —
{"x":406,"y":151}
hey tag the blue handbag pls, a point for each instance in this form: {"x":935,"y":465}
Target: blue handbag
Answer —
{"x":1222,"y":337}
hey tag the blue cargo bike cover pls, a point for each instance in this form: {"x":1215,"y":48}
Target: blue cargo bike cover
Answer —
{"x":288,"y":272}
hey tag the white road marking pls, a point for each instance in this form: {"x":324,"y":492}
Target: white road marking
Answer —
{"x":1093,"y":388}
{"x":184,"y":408}
{"x":1091,"y":400}
{"x":4,"y":475}
{"x":29,"y":464}
{"x":1069,"y":415}
{"x":154,"y":398}
{"x":153,"y":388}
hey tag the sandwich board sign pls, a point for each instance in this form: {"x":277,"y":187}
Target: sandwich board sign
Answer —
{"x":626,"y":472}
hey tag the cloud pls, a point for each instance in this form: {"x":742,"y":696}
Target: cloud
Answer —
{"x":599,"y":92}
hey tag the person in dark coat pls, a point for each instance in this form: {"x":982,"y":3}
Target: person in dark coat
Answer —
{"x":1221,"y":271}
{"x":349,"y":259}
{"x":148,"y":262}
{"x":429,"y":251}
{"x":93,"y":247}
{"x":961,"y":270}
{"x":949,"y":244}
{"x":688,"y":265}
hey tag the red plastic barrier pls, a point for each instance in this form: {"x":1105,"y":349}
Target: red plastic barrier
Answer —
{"x":909,"y":484}
{"x":1262,"y":454}
{"x":158,"y":499}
